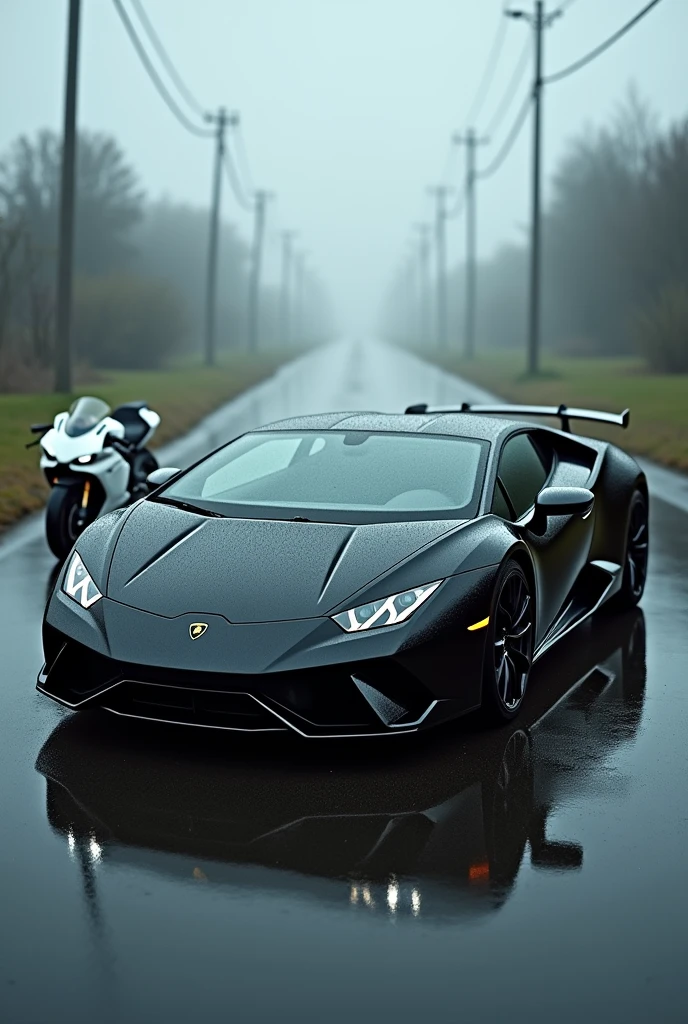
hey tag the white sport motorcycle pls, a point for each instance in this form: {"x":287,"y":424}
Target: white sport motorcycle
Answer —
{"x":95,"y":461}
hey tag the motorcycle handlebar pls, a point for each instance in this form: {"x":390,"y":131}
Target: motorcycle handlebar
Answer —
{"x":119,"y":446}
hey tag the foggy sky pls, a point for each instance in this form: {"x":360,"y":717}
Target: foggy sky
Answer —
{"x":347,"y":107}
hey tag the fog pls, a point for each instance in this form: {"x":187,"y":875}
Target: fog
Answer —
{"x":347,"y":108}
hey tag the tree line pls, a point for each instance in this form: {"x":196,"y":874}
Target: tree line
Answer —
{"x":139,"y":267}
{"x":615,"y":252}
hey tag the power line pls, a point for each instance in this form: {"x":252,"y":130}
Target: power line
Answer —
{"x":449,"y":163}
{"x":485,"y":82}
{"x":458,"y":207}
{"x":481,"y":95}
{"x":460,"y":203}
{"x":234,"y":181}
{"x":512,"y":89}
{"x":602,"y":47}
{"x":166,"y":59}
{"x":154,"y":76}
{"x":509,"y":142}
{"x":242,"y":158}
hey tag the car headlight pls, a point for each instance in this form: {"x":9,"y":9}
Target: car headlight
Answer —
{"x":389,"y":611}
{"x":78,"y":583}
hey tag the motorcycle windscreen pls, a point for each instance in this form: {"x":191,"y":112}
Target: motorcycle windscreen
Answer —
{"x":85,"y":414}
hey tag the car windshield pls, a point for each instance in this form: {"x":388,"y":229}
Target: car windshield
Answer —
{"x":84,"y":415}
{"x":335,"y":475}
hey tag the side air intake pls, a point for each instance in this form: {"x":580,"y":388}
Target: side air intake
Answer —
{"x":387,"y":710}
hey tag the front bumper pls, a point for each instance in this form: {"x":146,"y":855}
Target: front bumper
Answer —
{"x":307,"y":675}
{"x":375,"y":698}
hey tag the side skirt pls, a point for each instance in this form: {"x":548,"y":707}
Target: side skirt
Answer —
{"x":596,"y":584}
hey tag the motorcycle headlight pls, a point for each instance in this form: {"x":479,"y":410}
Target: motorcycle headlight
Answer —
{"x":78,"y":583}
{"x":388,"y":611}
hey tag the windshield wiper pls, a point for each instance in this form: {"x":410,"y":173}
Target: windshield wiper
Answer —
{"x":190,"y":507}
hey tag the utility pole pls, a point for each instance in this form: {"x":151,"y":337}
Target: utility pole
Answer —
{"x":424,"y":233}
{"x":285,"y":297}
{"x":261,"y":198}
{"x":440,"y":192}
{"x":409,"y":303}
{"x":63,"y":347}
{"x":539,"y":21}
{"x":220,"y":120}
{"x":471,"y":142}
{"x":299,"y":295}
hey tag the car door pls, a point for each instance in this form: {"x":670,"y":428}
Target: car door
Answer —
{"x":526,"y":464}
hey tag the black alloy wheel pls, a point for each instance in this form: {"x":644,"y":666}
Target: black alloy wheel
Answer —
{"x":509,"y":651}
{"x":637,"y":549}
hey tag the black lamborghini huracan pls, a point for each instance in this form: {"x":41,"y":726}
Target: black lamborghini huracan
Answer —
{"x":350,"y":573}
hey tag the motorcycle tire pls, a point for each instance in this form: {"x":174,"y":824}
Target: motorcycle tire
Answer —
{"x":61,"y":517}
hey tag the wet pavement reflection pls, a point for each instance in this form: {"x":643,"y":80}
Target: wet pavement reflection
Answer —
{"x":536,"y":872}
{"x":438,"y":828}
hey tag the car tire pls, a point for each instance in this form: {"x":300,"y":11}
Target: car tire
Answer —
{"x":509,"y":644}
{"x":636,"y":557}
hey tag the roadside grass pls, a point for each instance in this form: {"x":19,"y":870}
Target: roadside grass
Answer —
{"x":182,"y":396}
{"x":658,"y":402}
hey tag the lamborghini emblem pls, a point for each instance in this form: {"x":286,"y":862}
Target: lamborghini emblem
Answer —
{"x":197,"y":629}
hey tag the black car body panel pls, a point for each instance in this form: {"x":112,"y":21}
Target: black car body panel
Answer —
{"x":270,"y":570}
{"x":266,"y":590}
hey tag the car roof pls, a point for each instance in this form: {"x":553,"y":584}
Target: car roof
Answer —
{"x":466,"y":424}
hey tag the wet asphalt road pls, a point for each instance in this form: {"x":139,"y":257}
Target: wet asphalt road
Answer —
{"x":538,"y":872}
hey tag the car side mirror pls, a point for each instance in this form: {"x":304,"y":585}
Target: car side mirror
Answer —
{"x":560,"y":501}
{"x":161,"y":476}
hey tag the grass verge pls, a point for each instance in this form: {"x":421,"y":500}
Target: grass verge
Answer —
{"x":658,"y":402}
{"x":181,"y":396}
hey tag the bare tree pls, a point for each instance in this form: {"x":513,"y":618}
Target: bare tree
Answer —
{"x":10,"y":237}
{"x":109,"y":199}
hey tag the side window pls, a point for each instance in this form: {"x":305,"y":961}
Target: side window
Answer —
{"x":499,"y":503}
{"x":522,"y":472}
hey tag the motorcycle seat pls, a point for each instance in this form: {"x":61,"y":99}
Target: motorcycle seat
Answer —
{"x":135,"y":427}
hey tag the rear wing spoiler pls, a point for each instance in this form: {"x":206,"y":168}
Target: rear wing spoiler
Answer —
{"x":564,"y":412}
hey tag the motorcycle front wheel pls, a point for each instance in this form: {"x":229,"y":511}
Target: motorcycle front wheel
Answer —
{"x":63,"y":519}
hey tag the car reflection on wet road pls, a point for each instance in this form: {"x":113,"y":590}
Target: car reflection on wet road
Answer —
{"x":537,"y":872}
{"x":437,"y":830}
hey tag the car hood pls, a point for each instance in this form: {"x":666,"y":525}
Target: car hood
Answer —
{"x":172,"y":562}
